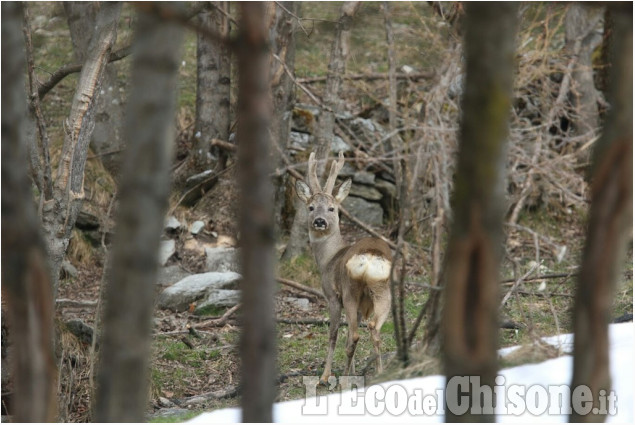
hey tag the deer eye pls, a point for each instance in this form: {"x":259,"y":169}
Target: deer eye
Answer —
{"x":311,"y":208}
{"x":331,"y":209}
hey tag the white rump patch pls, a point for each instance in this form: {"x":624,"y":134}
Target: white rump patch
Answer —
{"x":368,"y":267}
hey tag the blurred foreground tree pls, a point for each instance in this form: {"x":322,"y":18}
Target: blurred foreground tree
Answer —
{"x":468,"y":320}
{"x":125,"y":349}
{"x":26,"y":282}
{"x":258,"y":336}
{"x":610,"y":222}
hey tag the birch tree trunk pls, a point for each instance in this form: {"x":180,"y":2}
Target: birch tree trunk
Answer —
{"x":610,"y":223}
{"x":470,"y":316}
{"x":60,"y":212}
{"x":282,"y":35}
{"x":258,"y":337}
{"x":212,"y":91}
{"x":105,"y":141}
{"x":26,"y":286}
{"x":298,"y":239}
{"x":149,"y":134}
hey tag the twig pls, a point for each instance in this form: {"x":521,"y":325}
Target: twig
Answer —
{"x":301,"y":287}
{"x":229,"y":392}
{"x":67,"y":70}
{"x":299,"y":84}
{"x":310,"y":321}
{"x":542,"y":277}
{"x":371,"y":76}
{"x":218,"y":322}
{"x":366,"y":227}
{"x":224,"y":145}
{"x":517,"y":283}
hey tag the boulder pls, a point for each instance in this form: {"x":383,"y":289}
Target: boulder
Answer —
{"x":219,"y":298}
{"x":299,"y":303}
{"x":170,"y":275}
{"x":298,"y":141}
{"x":367,"y":192}
{"x":68,"y":270}
{"x":172,"y":224}
{"x":339,"y":145}
{"x":166,"y":250}
{"x":193,"y":288}
{"x":368,"y":212}
{"x":222,"y":259}
{"x":196,"y":227}
{"x":364,"y":177}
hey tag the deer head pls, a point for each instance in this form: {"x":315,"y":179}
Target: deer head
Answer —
{"x":323,"y":205}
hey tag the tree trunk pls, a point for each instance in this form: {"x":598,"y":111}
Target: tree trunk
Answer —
{"x":282,"y":35}
{"x":470,"y":315}
{"x":60,"y":212}
{"x":258,"y":337}
{"x":581,"y":39}
{"x":106,"y":141}
{"x":212,"y":92}
{"x":124,"y":357}
{"x":26,"y":286}
{"x":298,"y":239}
{"x":610,"y":223}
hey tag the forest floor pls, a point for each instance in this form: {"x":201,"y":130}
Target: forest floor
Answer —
{"x":184,"y":365}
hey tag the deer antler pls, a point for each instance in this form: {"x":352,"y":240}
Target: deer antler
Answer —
{"x":314,"y":183}
{"x":336,"y":167}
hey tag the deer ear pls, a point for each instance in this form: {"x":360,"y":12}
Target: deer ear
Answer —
{"x":341,"y":191}
{"x":302,"y":190}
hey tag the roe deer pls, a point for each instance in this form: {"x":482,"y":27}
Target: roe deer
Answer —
{"x":356,"y":276}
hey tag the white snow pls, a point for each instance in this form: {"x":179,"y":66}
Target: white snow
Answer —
{"x":551,"y":372}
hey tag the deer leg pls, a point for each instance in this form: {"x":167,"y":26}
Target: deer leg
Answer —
{"x":381,"y":309}
{"x":353,"y":336}
{"x":335,"y":315}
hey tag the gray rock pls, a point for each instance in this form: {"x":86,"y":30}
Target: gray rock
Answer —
{"x":299,"y":303}
{"x":197,"y":178}
{"x":171,"y":412}
{"x":368,"y":212}
{"x":81,"y":330}
{"x":339,"y":145}
{"x":196,"y":227}
{"x":172,"y":223}
{"x":166,"y":250}
{"x":364,"y":177}
{"x":171,"y":274}
{"x":222,"y":259}
{"x":298,"y":141}
{"x":179,"y":296}
{"x":219,"y":298}
{"x":367,"y":192}
{"x":386,"y":188}
{"x":68,"y":270}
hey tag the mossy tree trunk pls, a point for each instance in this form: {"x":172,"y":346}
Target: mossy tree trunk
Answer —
{"x":610,"y":222}
{"x":26,"y":283}
{"x":469,"y":325}
{"x":129,"y":295}
{"x":258,"y":337}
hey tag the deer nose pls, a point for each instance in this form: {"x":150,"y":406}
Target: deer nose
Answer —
{"x":319,"y":223}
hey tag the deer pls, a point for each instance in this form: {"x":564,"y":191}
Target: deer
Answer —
{"x":354,"y":277}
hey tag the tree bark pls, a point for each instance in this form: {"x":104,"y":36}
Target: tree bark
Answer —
{"x":610,"y":223}
{"x":123,"y":370}
{"x":60,"y":212}
{"x":282,"y":35}
{"x":470,"y":315}
{"x":298,"y":239}
{"x":106,"y":141}
{"x":212,"y":92}
{"x":26,"y":286}
{"x":258,"y":337}
{"x":581,"y":39}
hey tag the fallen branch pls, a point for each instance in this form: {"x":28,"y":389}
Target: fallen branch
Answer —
{"x":229,"y":392}
{"x":517,"y":283}
{"x":224,"y":145}
{"x":65,"y":302}
{"x":311,"y":321}
{"x":542,"y":277}
{"x":372,"y":76}
{"x":222,"y":321}
{"x":301,"y":287}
